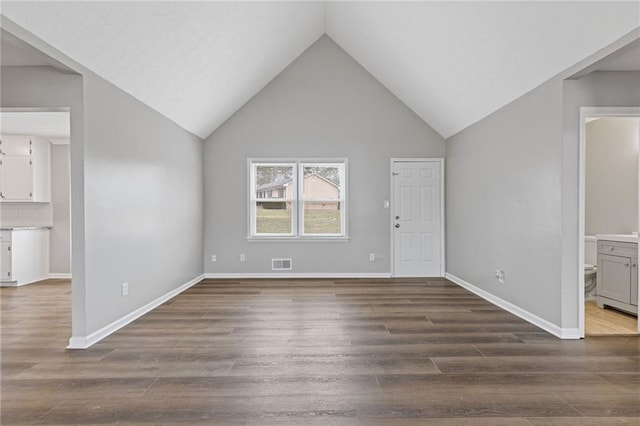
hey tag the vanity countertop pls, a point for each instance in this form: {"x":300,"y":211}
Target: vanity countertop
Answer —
{"x":623,"y":238}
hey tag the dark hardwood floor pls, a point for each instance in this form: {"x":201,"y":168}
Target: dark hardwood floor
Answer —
{"x":300,"y":352}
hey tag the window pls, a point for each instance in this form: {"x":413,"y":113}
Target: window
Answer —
{"x":297,"y":199}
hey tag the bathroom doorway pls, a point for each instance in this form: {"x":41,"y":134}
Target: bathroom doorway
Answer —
{"x":609,"y":221}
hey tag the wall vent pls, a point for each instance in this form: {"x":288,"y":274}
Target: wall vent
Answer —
{"x":280,"y":264}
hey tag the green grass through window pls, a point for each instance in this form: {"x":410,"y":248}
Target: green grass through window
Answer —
{"x":272,"y":221}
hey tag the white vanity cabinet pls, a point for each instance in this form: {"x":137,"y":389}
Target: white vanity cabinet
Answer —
{"x":25,"y":169}
{"x":617,"y":278}
{"x":25,"y":256}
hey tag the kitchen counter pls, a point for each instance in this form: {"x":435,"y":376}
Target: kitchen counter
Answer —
{"x":623,"y":238}
{"x":24,"y":228}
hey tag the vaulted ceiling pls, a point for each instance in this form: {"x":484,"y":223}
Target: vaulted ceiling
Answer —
{"x":452,"y":63}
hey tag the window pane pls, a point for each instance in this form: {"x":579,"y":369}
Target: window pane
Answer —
{"x":322,"y":182}
{"x":273,"y":217}
{"x":275,"y":182}
{"x":322,"y":217}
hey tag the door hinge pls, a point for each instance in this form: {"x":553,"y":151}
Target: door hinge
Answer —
{"x":394,"y":173}
{"x":9,"y":248}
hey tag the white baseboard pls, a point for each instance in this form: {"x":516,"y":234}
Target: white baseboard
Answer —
{"x":563,"y":333}
{"x":81,"y":342}
{"x":297,"y":275}
{"x":58,"y":276}
{"x":15,"y":283}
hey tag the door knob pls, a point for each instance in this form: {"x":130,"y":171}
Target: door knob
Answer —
{"x":397,"y":217}
{"x":397,"y":225}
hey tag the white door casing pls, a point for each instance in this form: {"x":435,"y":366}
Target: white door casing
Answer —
{"x":417,"y":217}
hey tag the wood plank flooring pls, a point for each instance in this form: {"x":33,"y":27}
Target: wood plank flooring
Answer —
{"x":608,"y":322}
{"x":319,"y":352}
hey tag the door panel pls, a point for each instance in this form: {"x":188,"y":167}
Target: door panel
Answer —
{"x":417,"y":218}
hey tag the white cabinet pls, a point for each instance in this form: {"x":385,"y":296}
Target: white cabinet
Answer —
{"x":24,"y":257}
{"x":5,"y":261}
{"x":15,"y":145}
{"x":16,"y":178}
{"x":617,"y":278}
{"x":25,"y":169}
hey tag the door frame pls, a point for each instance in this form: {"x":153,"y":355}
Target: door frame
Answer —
{"x":593,"y":112}
{"x":392,"y":162}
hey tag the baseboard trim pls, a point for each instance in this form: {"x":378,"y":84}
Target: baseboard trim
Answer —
{"x":58,"y":276}
{"x":563,"y":333}
{"x":81,"y":342}
{"x":297,"y":275}
{"x":15,"y":283}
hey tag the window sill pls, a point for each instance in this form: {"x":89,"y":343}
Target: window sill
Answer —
{"x":298,"y":239}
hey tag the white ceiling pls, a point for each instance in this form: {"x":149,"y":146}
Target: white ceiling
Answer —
{"x":453,"y":63}
{"x":54,"y":126}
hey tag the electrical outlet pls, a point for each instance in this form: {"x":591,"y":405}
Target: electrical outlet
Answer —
{"x":499,"y":274}
{"x":214,"y":258}
{"x":372,"y":257}
{"x":242,"y":257}
{"x":125,"y":289}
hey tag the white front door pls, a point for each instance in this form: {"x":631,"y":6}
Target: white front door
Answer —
{"x":417,"y":218}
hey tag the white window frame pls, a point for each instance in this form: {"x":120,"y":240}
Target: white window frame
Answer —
{"x":297,"y":201}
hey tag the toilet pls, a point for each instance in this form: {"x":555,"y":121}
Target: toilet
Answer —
{"x":590,"y":270}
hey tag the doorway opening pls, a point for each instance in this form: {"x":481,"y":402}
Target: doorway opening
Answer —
{"x":35,"y":186}
{"x":608,"y":221}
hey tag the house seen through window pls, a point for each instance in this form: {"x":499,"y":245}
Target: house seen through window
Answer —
{"x":297,"y":198}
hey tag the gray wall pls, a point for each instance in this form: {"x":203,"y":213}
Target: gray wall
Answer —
{"x":512,"y":194}
{"x":60,"y":234}
{"x":143,"y":203}
{"x":136,"y":192}
{"x":611,"y":176}
{"x":323,"y":105}
{"x":598,"y":89}
{"x":44,"y":87}
{"x":503,"y":202}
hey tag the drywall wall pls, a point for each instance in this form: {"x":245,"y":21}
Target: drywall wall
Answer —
{"x":60,"y":234}
{"x":512,"y":194}
{"x":143,"y":203}
{"x":611,"y":175}
{"x":323,"y":105}
{"x":45,"y":87}
{"x":136,"y":193}
{"x":503,"y":202}
{"x":597,"y":89}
